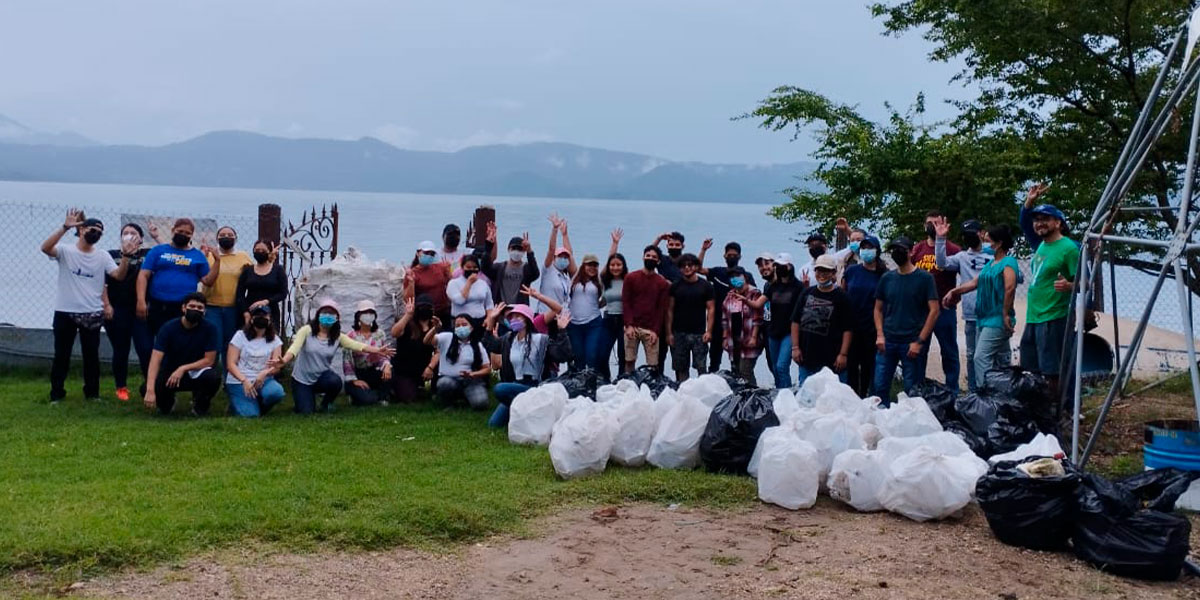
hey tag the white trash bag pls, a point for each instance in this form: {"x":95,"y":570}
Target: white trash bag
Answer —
{"x":666,"y":400}
{"x":907,"y":417}
{"x":582,"y":442}
{"x":943,"y":442}
{"x":785,"y":404}
{"x":814,"y":387}
{"x":857,"y":477}
{"x":767,"y":434}
{"x":617,"y":391}
{"x":708,"y":389}
{"x":789,"y":473}
{"x":1041,"y":445}
{"x":925,"y":484}
{"x":534,"y":412}
{"x":832,"y":435}
{"x":870,"y":435}
{"x":676,"y":443}
{"x":635,"y":423}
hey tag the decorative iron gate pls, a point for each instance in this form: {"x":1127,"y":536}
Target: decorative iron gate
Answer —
{"x":310,"y":242}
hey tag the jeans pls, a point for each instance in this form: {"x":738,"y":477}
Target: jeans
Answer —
{"x":745,"y":369}
{"x":993,"y":350}
{"x":945,"y":329}
{"x":843,"y":377}
{"x":123,"y":329}
{"x":241,"y":405}
{"x":586,"y":342}
{"x":474,"y":390}
{"x":304,"y":395}
{"x":375,"y":393}
{"x":885,"y":369}
{"x":203,"y":388}
{"x":65,"y":327}
{"x":972,"y":341}
{"x":614,"y":331}
{"x":224,"y":318}
{"x":860,"y":364}
{"x":780,"y":348}
{"x":1042,"y":346}
{"x":505,"y":392}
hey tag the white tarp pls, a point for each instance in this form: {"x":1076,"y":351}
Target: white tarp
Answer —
{"x":348,"y":279}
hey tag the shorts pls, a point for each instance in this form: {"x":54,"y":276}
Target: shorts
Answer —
{"x":1042,"y":346}
{"x":689,"y":345}
{"x":642,"y":337}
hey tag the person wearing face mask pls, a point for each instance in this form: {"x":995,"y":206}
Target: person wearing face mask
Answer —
{"x":995,"y":291}
{"x":523,"y":351}
{"x":586,"y":329}
{"x":644,"y":306}
{"x":451,"y":255}
{"x":185,"y":351}
{"x":821,"y":323}
{"x":560,"y":264}
{"x":263,"y":284}
{"x":719,"y":278}
{"x":250,"y":383}
{"x":169,"y":273}
{"x":860,"y":281}
{"x":613,"y":282}
{"x":461,"y":365}
{"x":414,"y":332}
{"x":906,"y":308}
{"x":79,"y":299}
{"x":967,"y":263}
{"x":368,"y":376}
{"x":429,"y":278}
{"x":469,"y":293}
{"x":782,"y":296}
{"x":766,"y":269}
{"x":742,"y":315}
{"x":121,"y":324}
{"x":849,"y":255}
{"x":669,"y":267}
{"x":220,"y":287}
{"x":509,"y":277}
{"x":924,"y":257}
{"x":818,"y":245}
{"x":314,"y":348}
{"x":690,"y":317}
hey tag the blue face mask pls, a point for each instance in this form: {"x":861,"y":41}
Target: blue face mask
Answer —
{"x":562,"y":263}
{"x":737,"y":282}
{"x":988,"y":249}
{"x":868,"y":254}
{"x":463,"y":332}
{"x":854,"y":247}
{"x":516,"y":325}
{"x":427,"y":259}
{"x":327,"y":320}
{"x":825,"y":285}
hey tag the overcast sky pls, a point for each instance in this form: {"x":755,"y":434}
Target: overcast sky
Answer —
{"x":650,"y":76}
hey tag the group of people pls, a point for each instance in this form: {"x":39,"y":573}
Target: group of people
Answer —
{"x":200,"y":317}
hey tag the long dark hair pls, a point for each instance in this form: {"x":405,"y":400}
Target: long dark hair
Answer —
{"x":268,"y":333}
{"x":582,"y":280}
{"x":1001,"y":235}
{"x":335,"y":331}
{"x":529,"y":333}
{"x":606,"y":276}
{"x":476,"y":335}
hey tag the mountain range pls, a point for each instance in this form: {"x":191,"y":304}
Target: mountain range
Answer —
{"x":251,"y":160}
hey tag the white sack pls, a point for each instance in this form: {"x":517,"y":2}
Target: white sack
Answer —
{"x":534,"y":412}
{"x":708,"y":389}
{"x":608,"y":393}
{"x":870,"y":435}
{"x":581,"y":442}
{"x":789,"y":473}
{"x":856,"y":478}
{"x":635,"y":422}
{"x":942,"y":442}
{"x":814,"y":387}
{"x":1041,"y":445}
{"x":664,"y":403}
{"x":907,"y":417}
{"x":785,"y":404}
{"x":676,"y":443}
{"x":924,"y":484}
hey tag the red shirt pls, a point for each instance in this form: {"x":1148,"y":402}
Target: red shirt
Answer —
{"x":432,"y":280}
{"x":923,"y":257}
{"x":644,"y":300}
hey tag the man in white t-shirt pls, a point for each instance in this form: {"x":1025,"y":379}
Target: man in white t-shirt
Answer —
{"x":79,"y":302}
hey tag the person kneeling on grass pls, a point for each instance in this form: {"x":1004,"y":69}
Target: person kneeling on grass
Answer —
{"x":523,"y":352}
{"x":185,"y":350}
{"x":314,"y":348}
{"x":368,"y":376}
{"x":461,"y":364}
{"x":249,"y":382}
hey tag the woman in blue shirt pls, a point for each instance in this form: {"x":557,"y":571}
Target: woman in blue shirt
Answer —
{"x":169,"y":273}
{"x":860,"y":280}
{"x":995,"y":291}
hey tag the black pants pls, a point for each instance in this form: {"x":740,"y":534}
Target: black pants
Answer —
{"x":372,"y":395}
{"x":125,"y":330}
{"x":716,"y":348}
{"x":203,"y":388}
{"x":65,"y":327}
{"x":860,"y":364}
{"x":159,"y":313}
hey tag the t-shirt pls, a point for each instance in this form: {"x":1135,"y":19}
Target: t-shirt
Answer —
{"x":182,"y":345}
{"x":176,"y":272}
{"x":924,"y":257}
{"x":431,"y":281}
{"x":585,"y":302}
{"x":668,"y":269}
{"x":412,"y":356}
{"x":612,"y":297}
{"x":691,"y":304}
{"x":527,"y":362}
{"x":905,"y":304}
{"x":782,"y":298}
{"x":223,"y":291}
{"x":512,"y":277}
{"x":123,"y":294}
{"x":860,"y":285}
{"x":466,"y":356}
{"x":644,"y":300}
{"x":1051,"y":259}
{"x":989,"y":293}
{"x":252,"y":355}
{"x":81,"y":278}
{"x":556,"y":285}
{"x":477,"y":302}
{"x":453,"y":260}
{"x":823,"y":318}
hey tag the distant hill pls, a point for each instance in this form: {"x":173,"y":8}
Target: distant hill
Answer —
{"x":241,"y":159}
{"x":12,"y":132}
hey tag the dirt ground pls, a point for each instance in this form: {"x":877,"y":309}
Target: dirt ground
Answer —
{"x":645,"y":551}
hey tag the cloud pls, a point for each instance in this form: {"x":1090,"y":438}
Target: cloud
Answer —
{"x":483,"y":137}
{"x":400,"y":136}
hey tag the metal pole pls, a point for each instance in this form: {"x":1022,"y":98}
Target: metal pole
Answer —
{"x":1112,"y":286}
{"x":1181,"y":285}
{"x":1083,"y":285}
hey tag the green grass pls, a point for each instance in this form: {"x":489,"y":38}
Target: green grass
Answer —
{"x":87,"y":487}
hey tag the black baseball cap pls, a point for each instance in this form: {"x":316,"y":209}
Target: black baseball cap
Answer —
{"x":902,"y":242}
{"x":93,"y":222}
{"x":516,"y":242}
{"x":972,"y":226}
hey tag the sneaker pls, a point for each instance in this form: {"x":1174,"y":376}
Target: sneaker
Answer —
{"x":123,"y":394}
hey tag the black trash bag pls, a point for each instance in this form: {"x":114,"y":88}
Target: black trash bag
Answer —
{"x":734,"y":428}
{"x":977,"y":443}
{"x":735,"y":381}
{"x":651,"y":378}
{"x":939,"y":398}
{"x":1025,"y":511}
{"x":580,"y":383}
{"x":976,"y":411}
{"x":1005,"y":434}
{"x":1114,"y":534}
{"x":1031,"y":391}
{"x":1158,"y":489}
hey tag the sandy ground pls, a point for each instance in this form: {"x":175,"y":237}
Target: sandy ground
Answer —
{"x":644,"y":551}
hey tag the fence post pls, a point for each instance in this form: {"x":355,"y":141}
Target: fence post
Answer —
{"x":270,"y":218}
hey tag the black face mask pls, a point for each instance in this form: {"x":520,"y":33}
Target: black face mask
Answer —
{"x":226,"y":243}
{"x":181,"y":240}
{"x":930,"y":231}
{"x":732,"y":261}
{"x":261,"y":257}
{"x":970,"y":239}
{"x":674,"y":252}
{"x":782,"y":271}
{"x":451,"y":240}
{"x":650,"y":264}
{"x":92,"y":236}
{"x":816,"y":251}
{"x":900,"y":255}
{"x":193,"y":316}
{"x":467,"y":273}
{"x":260,"y":322}
{"x":423,"y":313}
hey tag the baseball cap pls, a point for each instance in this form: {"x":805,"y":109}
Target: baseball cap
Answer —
{"x":783,"y":258}
{"x":590,"y":258}
{"x":516,"y":242}
{"x":561,"y":251}
{"x":93,"y":222}
{"x":1050,"y":211}
{"x":825,"y":261}
{"x":972,"y":226}
{"x":364,"y":305}
{"x":764,"y":256}
{"x":901,"y":241}
{"x":874,"y":241}
{"x":816,"y":237}
{"x":426,"y":246}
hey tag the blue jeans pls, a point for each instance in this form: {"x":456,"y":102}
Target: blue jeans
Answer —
{"x":885,"y":369}
{"x":994,"y":351}
{"x":125,"y":328}
{"x":504,"y":392}
{"x":224,"y":318}
{"x":780,"y":351}
{"x":972,"y":342}
{"x":305,"y":395}
{"x":587,"y":340}
{"x":270,"y":394}
{"x":945,"y":329}
{"x":843,"y":377}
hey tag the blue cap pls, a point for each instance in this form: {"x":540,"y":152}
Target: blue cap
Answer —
{"x":874,"y":241}
{"x":1050,"y":211}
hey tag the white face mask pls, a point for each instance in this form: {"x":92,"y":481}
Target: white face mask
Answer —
{"x":367,"y":319}
{"x":131,"y":237}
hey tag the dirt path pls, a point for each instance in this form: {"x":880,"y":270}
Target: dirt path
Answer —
{"x":645,"y":551}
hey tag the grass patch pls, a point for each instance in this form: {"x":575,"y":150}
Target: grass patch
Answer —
{"x":89,"y":487}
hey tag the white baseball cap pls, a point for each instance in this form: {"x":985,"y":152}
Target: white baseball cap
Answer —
{"x":426,"y":246}
{"x":783,"y":258}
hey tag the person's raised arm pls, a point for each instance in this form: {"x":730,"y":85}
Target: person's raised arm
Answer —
{"x":554,"y":307}
{"x":616,"y":236}
{"x":555,"y":222}
{"x":431,"y":335}
{"x":953,"y":295}
{"x":566,"y":241}
{"x":74,"y":219}
{"x":214,"y":268}
{"x":1025,"y":215}
{"x":402,"y":323}
{"x":704,"y":248}
{"x":942,"y":227}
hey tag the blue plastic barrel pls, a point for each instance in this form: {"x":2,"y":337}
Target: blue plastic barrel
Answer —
{"x":1172,"y":444}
